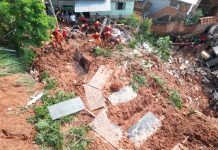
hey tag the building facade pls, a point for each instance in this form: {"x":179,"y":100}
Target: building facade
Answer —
{"x":110,"y":8}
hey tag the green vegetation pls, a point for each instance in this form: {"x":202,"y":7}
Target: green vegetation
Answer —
{"x":25,"y":24}
{"x":119,"y":47}
{"x":132,"y":20}
{"x":49,"y":133}
{"x":102,"y":52}
{"x":10,"y":64}
{"x":25,"y":80}
{"x":163,"y":47}
{"x":176,"y":99}
{"x":132,"y":44}
{"x":138,"y":81}
{"x":158,"y":80}
{"x":76,"y":138}
{"x":50,"y":81}
{"x":194,"y":18}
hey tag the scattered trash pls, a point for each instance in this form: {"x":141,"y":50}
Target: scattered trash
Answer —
{"x":123,"y":95}
{"x":66,"y":108}
{"x":106,"y":129}
{"x":94,"y":97}
{"x":212,"y":62}
{"x":35,"y":97}
{"x":205,"y":55}
{"x":144,"y":128}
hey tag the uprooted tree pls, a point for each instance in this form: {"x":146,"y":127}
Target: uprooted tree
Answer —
{"x":24,"y":24}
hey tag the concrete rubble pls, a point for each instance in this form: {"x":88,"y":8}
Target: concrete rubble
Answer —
{"x":106,"y":129}
{"x":66,"y":108}
{"x":123,"y":95}
{"x":144,"y":128}
{"x":93,"y":89}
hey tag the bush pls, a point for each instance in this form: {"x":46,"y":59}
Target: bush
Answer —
{"x":164,"y":44}
{"x":28,"y":55}
{"x":102,"y":52}
{"x":76,"y":134}
{"x":132,"y":20}
{"x":176,"y":99}
{"x":132,"y":44}
{"x":50,"y":81}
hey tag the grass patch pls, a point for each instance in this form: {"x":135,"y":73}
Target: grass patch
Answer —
{"x":176,"y":99}
{"x":10,"y":64}
{"x":48,"y":131}
{"x":158,"y":80}
{"x":102,"y":52}
{"x":50,"y":81}
{"x":119,"y":47}
{"x":138,"y":81}
{"x":76,"y":138}
{"x":132,"y":44}
{"x":25,"y":80}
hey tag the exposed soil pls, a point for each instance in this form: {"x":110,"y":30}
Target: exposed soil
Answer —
{"x":196,"y":130}
{"x":15,"y":132}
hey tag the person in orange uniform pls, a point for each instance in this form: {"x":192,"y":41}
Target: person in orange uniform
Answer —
{"x":58,"y":37}
{"x":97,"y":24}
{"x":96,"y":36}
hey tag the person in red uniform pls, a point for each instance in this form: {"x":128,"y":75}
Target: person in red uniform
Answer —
{"x":65,"y":36}
{"x":108,"y":28}
{"x":107,"y":34}
{"x":84,"y":28}
{"x":83,"y":19}
{"x":97,"y":24}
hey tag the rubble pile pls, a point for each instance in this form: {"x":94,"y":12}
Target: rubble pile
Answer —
{"x":106,"y":89}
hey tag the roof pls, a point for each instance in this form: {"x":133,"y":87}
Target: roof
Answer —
{"x":193,"y":2}
{"x":92,"y":6}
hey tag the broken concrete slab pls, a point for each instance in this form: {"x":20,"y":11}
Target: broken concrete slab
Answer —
{"x":99,"y":79}
{"x":123,"y":95}
{"x":34,"y":98}
{"x":66,"y":108}
{"x":83,"y":62}
{"x":94,"y":97}
{"x":106,"y":129}
{"x":144,"y":128}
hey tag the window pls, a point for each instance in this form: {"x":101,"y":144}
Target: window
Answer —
{"x":121,"y":6}
{"x":174,"y":4}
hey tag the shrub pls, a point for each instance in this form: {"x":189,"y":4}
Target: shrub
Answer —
{"x":163,"y":47}
{"x":77,"y":139}
{"x":50,"y":81}
{"x":119,"y":47}
{"x":102,"y":52}
{"x":132,"y":44}
{"x":176,"y":99}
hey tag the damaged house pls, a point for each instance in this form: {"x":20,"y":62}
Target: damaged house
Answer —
{"x":167,"y":15}
{"x":89,"y":8}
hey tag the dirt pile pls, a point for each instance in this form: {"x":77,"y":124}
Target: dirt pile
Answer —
{"x":178,"y":125}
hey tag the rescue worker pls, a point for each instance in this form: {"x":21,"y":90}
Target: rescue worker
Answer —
{"x":83,"y":19}
{"x":65,"y":35}
{"x":58,"y":37}
{"x":107,"y":35}
{"x":97,"y":38}
{"x":97,"y":24}
{"x":108,"y":28}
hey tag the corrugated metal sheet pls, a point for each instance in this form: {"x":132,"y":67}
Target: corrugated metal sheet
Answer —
{"x":92,"y":6}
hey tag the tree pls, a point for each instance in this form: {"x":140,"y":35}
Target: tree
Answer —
{"x":28,"y":20}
